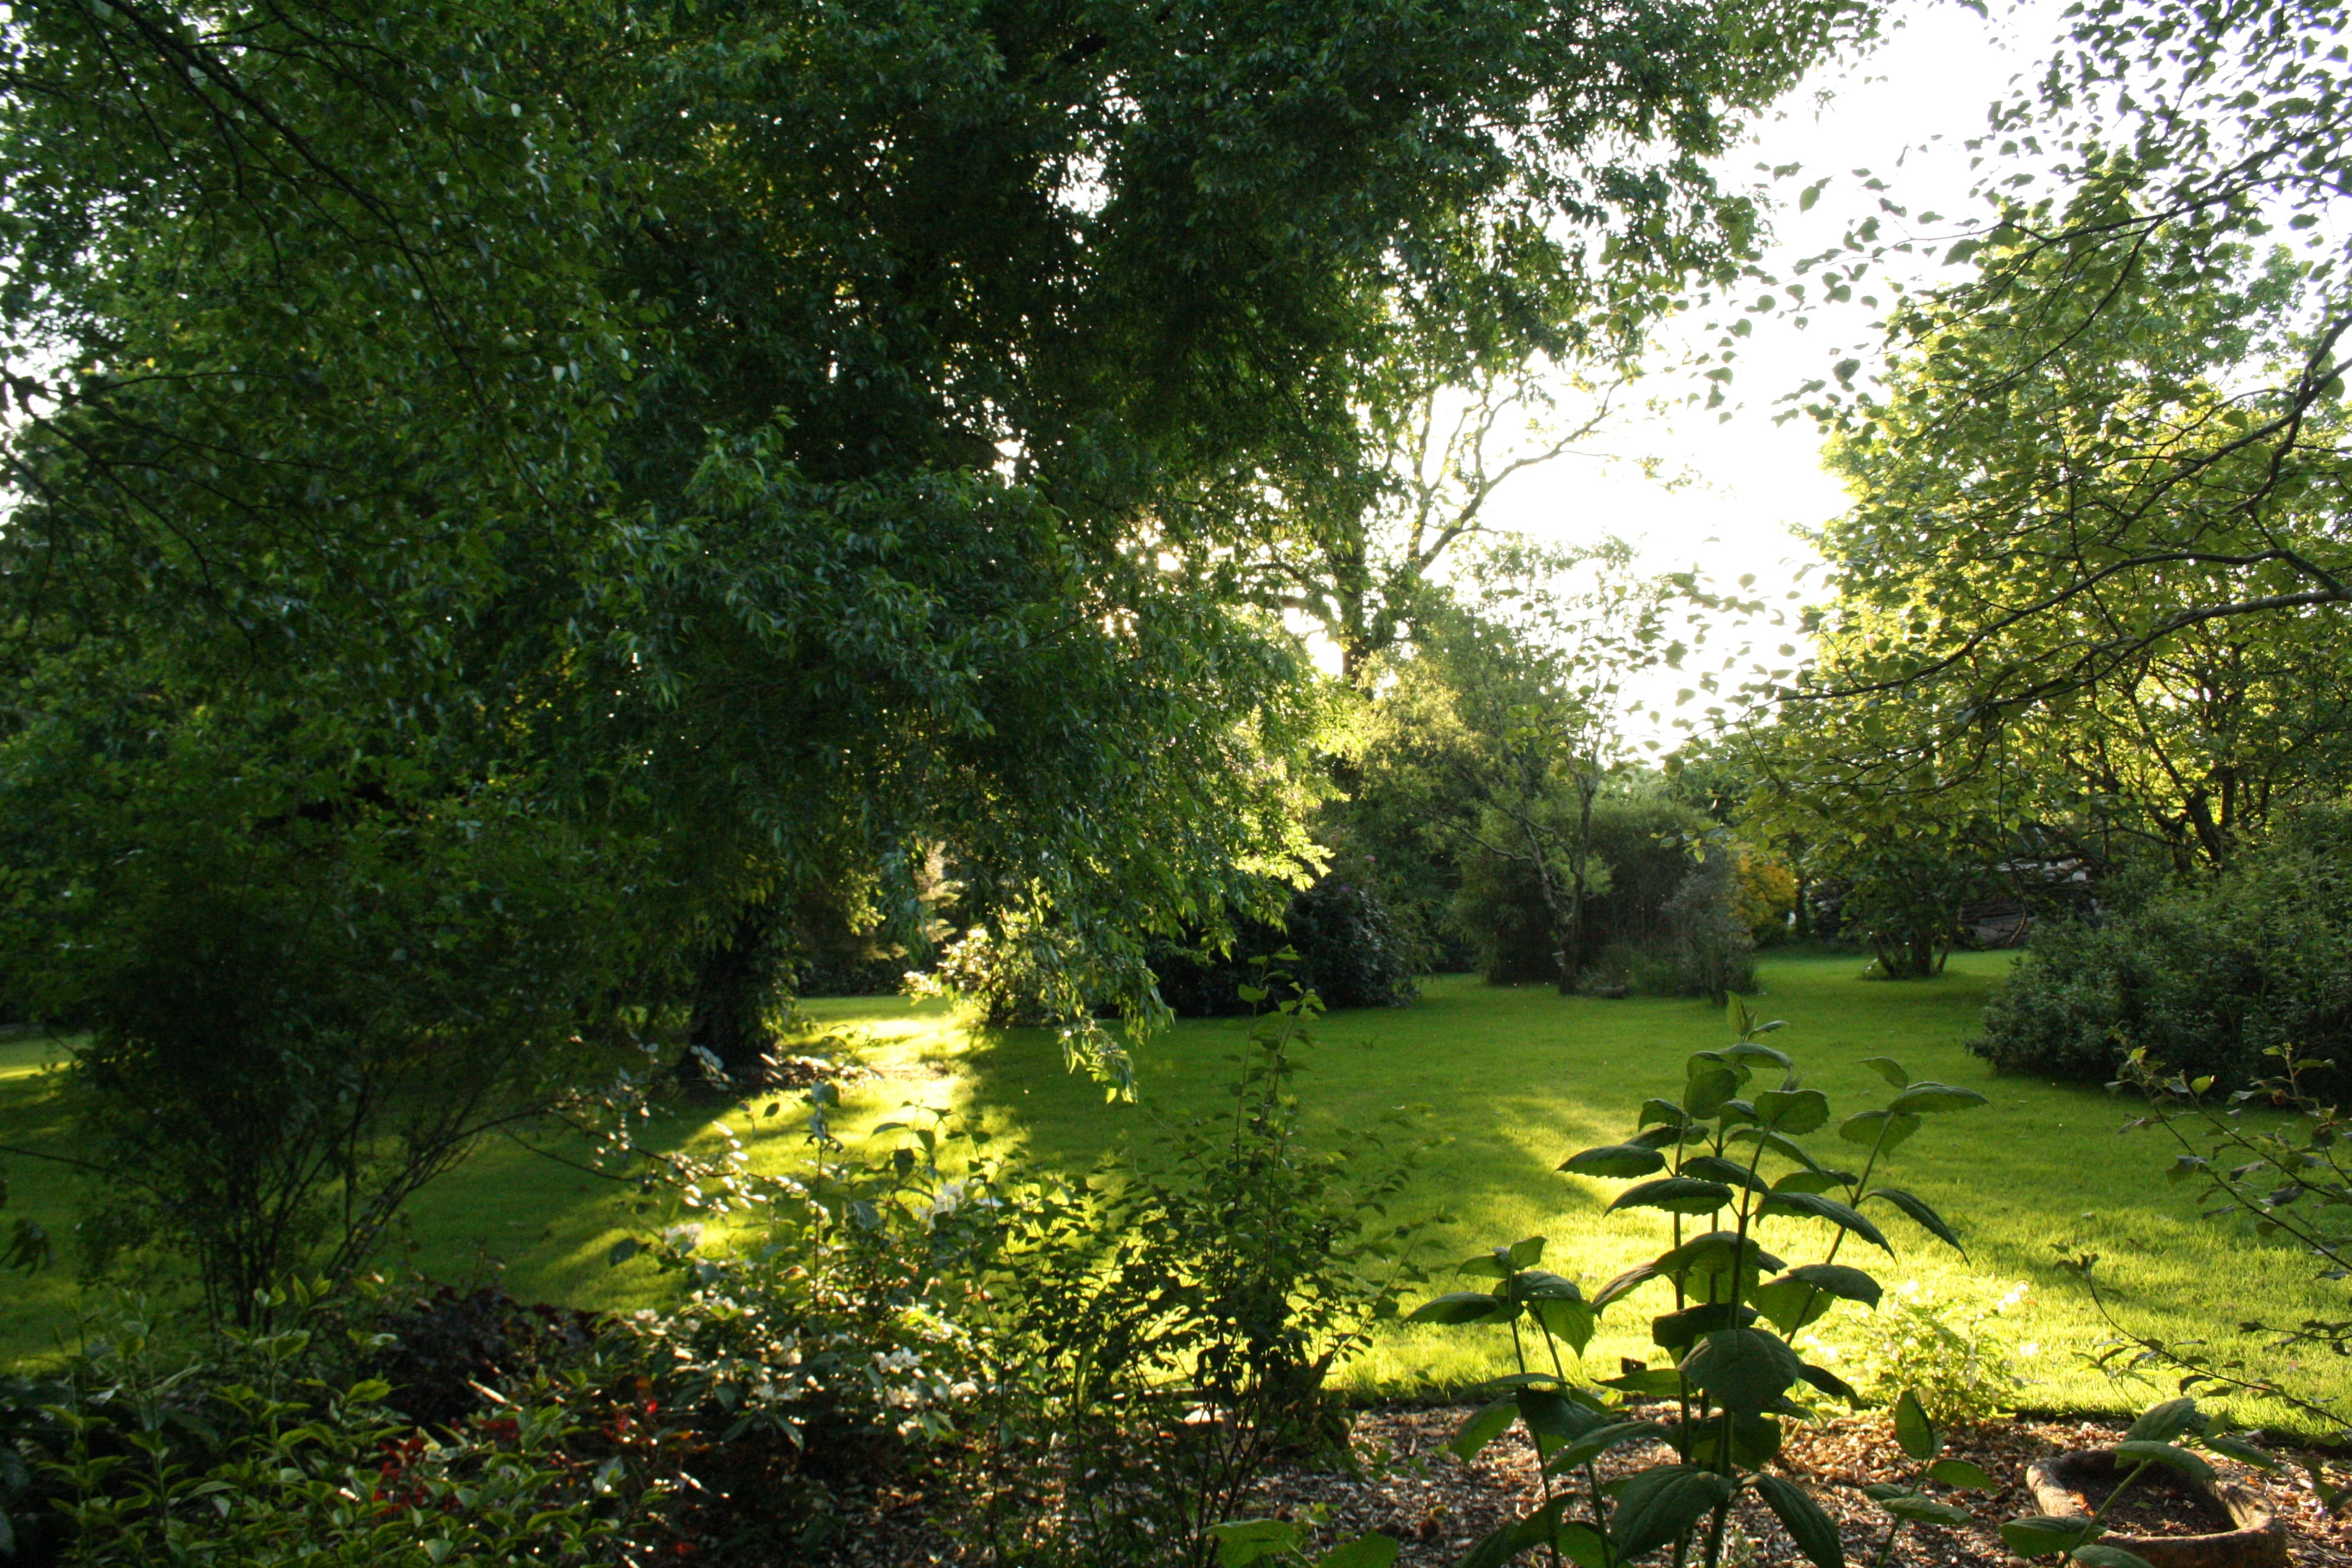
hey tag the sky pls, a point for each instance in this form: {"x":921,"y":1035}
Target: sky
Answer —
{"x":1902,"y":111}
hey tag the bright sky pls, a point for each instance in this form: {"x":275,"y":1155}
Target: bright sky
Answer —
{"x":1902,"y":112}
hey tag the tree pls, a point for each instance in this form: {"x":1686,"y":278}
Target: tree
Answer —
{"x":1506,"y":720}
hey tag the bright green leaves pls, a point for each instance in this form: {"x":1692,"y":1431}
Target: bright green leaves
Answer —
{"x":1657,"y":1506}
{"x":1807,"y":1525}
{"x":1802,"y":1295}
{"x":1793,"y":1111}
{"x":1675,"y":1194}
{"x":1914,"y":1431}
{"x":1744,"y":1370}
{"x":1555,"y":1303}
{"x":1709,"y":1088}
{"x":1621,"y":1160}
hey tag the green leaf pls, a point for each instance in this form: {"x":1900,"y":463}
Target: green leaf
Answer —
{"x":1601,"y":1439}
{"x":1363,"y":1551}
{"x":1847,"y":1284}
{"x":1923,"y":1098}
{"x":1791,"y":1304}
{"x":1626,"y":1283}
{"x":1863,"y":1128}
{"x":1527,"y":1254}
{"x":1658,"y":1505}
{"x":1927,"y":1217}
{"x":2178,"y":1459}
{"x":1750,"y":1051}
{"x":2040,"y":1535}
{"x":1914,"y":1430}
{"x":1780,"y":1143}
{"x":1486,"y":1424}
{"x":622,"y":1250}
{"x":1457,"y":1307}
{"x":1709,"y":1091}
{"x":1708,"y":1167}
{"x":1519,"y":1536}
{"x":1890,"y":1069}
{"x":1745,"y":1371}
{"x":2238,"y":1448}
{"x":1246,"y":1540}
{"x":1553,"y":1418}
{"x":1928,"y":1511}
{"x":1960,"y":1473}
{"x":1831,"y":1384}
{"x":1812,"y":1180}
{"x":1755,"y":1443}
{"x":1654,"y":1110}
{"x":1678,"y":1332}
{"x":1815,"y":1206}
{"x":1795,"y":1112}
{"x":1802,"y":1518}
{"x":1614,"y":1159}
{"x":1658,"y":1381}
{"x":1714,"y":1253}
{"x":1566,"y":1319}
{"x":2163,"y":1423}
{"x":2099,"y":1554}
{"x":1584,"y":1545}
{"x":1677,"y":1195}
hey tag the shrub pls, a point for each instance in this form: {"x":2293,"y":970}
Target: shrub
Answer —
{"x":2205,"y":977}
{"x":1957,"y":1357}
{"x":1714,"y":947}
{"x":1337,"y":938}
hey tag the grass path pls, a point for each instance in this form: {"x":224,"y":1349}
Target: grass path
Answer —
{"x":1512,"y":1081}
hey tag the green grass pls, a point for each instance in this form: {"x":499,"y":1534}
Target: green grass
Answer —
{"x":1512,"y":1081}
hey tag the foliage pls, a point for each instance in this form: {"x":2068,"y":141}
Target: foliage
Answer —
{"x":2211,"y":976}
{"x":1954,"y":1354}
{"x":1714,"y":940}
{"x":253,"y":1458}
{"x":1908,"y":1501}
{"x":1337,"y":938}
{"x":1732,"y":1377}
{"x":1278,"y":1540}
{"x":2286,"y":1177}
{"x":2159,"y":1442}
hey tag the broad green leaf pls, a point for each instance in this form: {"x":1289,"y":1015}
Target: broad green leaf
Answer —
{"x":1780,"y":1143}
{"x":1928,"y":1511}
{"x":1847,"y":1284}
{"x":1755,"y":1442}
{"x":1660,"y":1110}
{"x":1927,"y":1217}
{"x":1625,"y":1284}
{"x":2041,"y":1535}
{"x":1526,"y":1254}
{"x":1708,"y":1088}
{"x":1802,"y":1518}
{"x":1678,"y":1332}
{"x":1658,"y":1505}
{"x":1815,"y":1206}
{"x":2099,"y":1554}
{"x":1791,"y":1304}
{"x":1457,"y":1307}
{"x":1485,"y":1425}
{"x":1890,"y":1069}
{"x":1923,"y":1098}
{"x":1865,"y":1129}
{"x":1553,"y":1418}
{"x":1914,"y":1430}
{"x":1750,"y":1051}
{"x":1363,"y":1551}
{"x":1714,"y":1252}
{"x":2238,"y":1448}
{"x":1515,"y":1538}
{"x":1677,"y":1195}
{"x":1960,"y":1473}
{"x":2178,"y":1458}
{"x":1707,"y":1167}
{"x":1243,"y":1542}
{"x":1618,"y":1159}
{"x":1566,"y":1319}
{"x":1665,"y":1136}
{"x":1584,"y":1545}
{"x":1658,"y":1381}
{"x":1601,"y":1439}
{"x":1745,"y":1371}
{"x":1795,"y":1112}
{"x":1812,"y":1181}
{"x":2163,"y":1423}
{"x":1831,"y":1384}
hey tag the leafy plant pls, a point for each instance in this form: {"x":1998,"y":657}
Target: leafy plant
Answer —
{"x":1951,"y":1355}
{"x":2158,"y":1439}
{"x":1699,"y":1157}
{"x":1907,"y":1502}
{"x":1244,"y":1542}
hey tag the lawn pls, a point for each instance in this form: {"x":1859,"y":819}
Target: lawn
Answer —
{"x":1508,"y":1081}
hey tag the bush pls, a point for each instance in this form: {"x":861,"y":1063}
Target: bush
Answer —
{"x":1342,"y":944}
{"x":1714,"y":947}
{"x":2206,"y":977}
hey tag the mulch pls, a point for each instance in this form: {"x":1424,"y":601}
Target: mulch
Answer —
{"x":1417,"y":1492}
{"x":1414,"y":1490}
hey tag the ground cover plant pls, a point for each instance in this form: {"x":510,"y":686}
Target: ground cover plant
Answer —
{"x":1512,"y":1081}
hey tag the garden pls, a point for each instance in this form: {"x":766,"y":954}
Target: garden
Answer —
{"x":817,"y":785}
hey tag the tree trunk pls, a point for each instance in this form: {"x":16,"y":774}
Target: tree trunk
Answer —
{"x":732,"y":993}
{"x":1571,"y":959}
